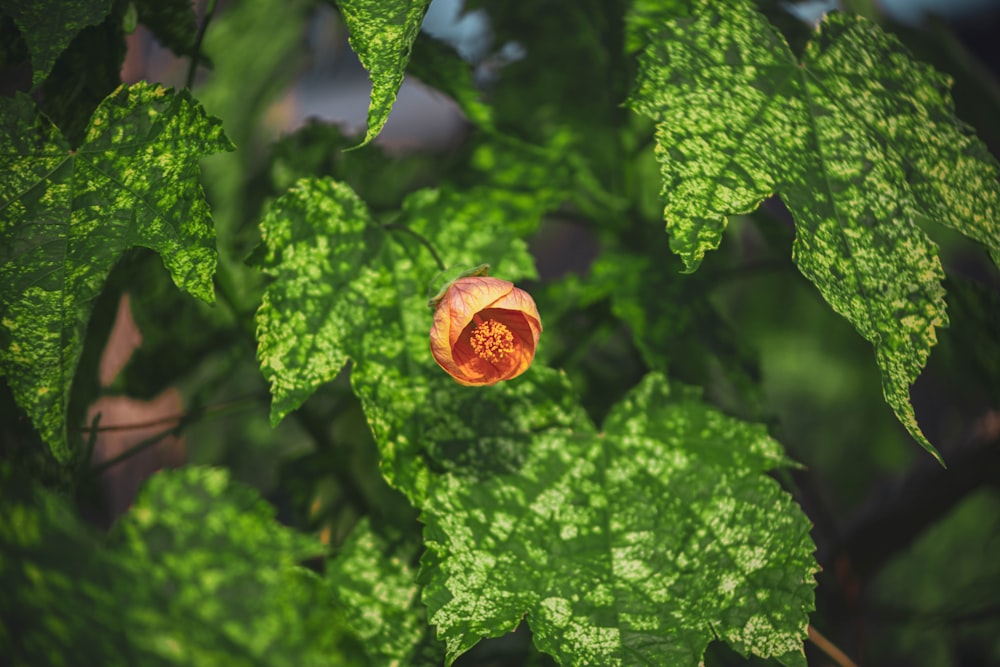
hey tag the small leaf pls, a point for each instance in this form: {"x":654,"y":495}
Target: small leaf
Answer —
{"x":382,"y":33}
{"x":439,"y":66}
{"x":636,"y":546}
{"x":67,"y":216}
{"x":48,"y":26}
{"x":859,"y":140}
{"x":674,"y":326}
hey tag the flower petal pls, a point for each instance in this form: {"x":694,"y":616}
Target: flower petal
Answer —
{"x":489,"y":298}
{"x":468,"y":296}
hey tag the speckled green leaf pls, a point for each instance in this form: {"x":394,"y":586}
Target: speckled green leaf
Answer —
{"x":319,"y":240}
{"x":375,"y":590}
{"x":348,"y":288}
{"x":214,"y":558}
{"x":859,"y":140}
{"x":439,"y":66}
{"x":48,"y":26}
{"x":382,"y":34}
{"x":638,"y":545}
{"x":197,"y":573}
{"x":66,"y":217}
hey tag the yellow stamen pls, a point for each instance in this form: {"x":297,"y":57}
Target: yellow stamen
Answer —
{"x":491,"y":340}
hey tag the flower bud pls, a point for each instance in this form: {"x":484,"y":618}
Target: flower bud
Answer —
{"x":485,"y":330}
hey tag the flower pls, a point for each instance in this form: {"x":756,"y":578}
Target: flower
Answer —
{"x":485,"y":330}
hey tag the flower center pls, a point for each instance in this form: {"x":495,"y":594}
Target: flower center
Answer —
{"x":491,"y":340}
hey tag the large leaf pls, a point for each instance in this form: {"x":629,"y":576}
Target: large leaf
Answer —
{"x":49,"y":26}
{"x":382,"y":34}
{"x":348,"y":288}
{"x":860,"y":141}
{"x":67,"y":215}
{"x":197,"y":573}
{"x":635,"y":546}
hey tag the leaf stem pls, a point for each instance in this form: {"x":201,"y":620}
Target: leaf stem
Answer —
{"x":196,"y":55}
{"x":828,"y":647}
{"x":392,"y":226}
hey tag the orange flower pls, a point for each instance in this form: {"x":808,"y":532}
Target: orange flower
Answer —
{"x":485,"y":330}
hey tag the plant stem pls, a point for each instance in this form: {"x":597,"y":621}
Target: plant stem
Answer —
{"x":196,"y":55}
{"x":173,"y":418}
{"x":136,"y":448}
{"x":183,"y":421}
{"x":392,"y":226}
{"x":828,"y":647}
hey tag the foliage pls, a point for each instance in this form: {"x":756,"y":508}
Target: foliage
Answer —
{"x":379,"y":512}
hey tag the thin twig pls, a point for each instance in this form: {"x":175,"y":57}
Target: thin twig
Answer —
{"x":828,"y":647}
{"x":172,"y":418}
{"x":183,"y":421}
{"x":392,"y":226}
{"x":136,"y":448}
{"x":196,"y":56}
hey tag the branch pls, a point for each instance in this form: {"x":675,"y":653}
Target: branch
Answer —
{"x":196,"y":55}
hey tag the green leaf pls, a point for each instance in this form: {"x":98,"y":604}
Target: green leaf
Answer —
{"x":209,"y":575}
{"x":860,"y":141}
{"x":48,"y":26}
{"x":438,"y":65}
{"x":346,"y":287}
{"x":320,"y":149}
{"x":376,"y":592}
{"x":638,"y":545}
{"x":382,"y":33}
{"x":67,"y":216}
{"x":319,"y":239}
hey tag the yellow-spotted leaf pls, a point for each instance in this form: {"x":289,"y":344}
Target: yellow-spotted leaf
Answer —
{"x":68,"y":214}
{"x":638,"y":545}
{"x":860,"y":141}
{"x":382,"y":33}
